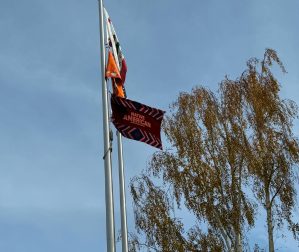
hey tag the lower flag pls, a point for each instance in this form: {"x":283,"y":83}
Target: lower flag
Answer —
{"x":137,"y":121}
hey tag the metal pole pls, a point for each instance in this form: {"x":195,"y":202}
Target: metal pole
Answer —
{"x":122,"y":193}
{"x":110,"y":233}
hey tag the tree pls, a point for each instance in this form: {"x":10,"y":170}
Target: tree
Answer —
{"x":273,"y":151}
{"x":221,"y":144}
{"x":207,"y":167}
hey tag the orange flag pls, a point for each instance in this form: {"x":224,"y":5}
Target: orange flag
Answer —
{"x":117,"y":87}
{"x":112,"y":70}
{"x":113,"y":73}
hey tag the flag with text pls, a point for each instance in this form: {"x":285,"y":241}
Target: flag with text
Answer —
{"x":137,"y":121}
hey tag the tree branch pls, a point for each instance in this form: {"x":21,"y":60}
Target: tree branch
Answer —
{"x":276,"y":192}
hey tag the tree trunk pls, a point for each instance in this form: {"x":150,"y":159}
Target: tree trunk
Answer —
{"x":222,"y":231}
{"x":238,"y":243}
{"x":269,"y":221}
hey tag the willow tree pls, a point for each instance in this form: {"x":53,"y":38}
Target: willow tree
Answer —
{"x":222,"y":143}
{"x":273,"y":152}
{"x":207,"y":165}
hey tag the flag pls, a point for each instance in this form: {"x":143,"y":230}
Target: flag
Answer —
{"x":113,"y":73}
{"x":121,"y":60}
{"x":112,"y":70}
{"x":137,"y":121}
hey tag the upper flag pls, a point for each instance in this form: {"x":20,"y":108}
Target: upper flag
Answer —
{"x":120,"y":56}
{"x":137,"y":121}
{"x":112,"y":71}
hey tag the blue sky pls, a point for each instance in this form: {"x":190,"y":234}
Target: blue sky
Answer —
{"x":51,"y":138}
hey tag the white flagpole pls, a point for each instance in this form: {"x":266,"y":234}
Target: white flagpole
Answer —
{"x":110,"y":233}
{"x":122,"y":190}
{"x":122,"y":193}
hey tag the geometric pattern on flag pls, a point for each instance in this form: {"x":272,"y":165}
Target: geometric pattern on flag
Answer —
{"x":153,"y":112}
{"x":137,"y":134}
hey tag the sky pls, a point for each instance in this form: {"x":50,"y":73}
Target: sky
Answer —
{"x":51,"y":138}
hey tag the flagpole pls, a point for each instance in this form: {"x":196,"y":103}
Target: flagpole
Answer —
{"x":122,"y":193}
{"x":110,"y":233}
